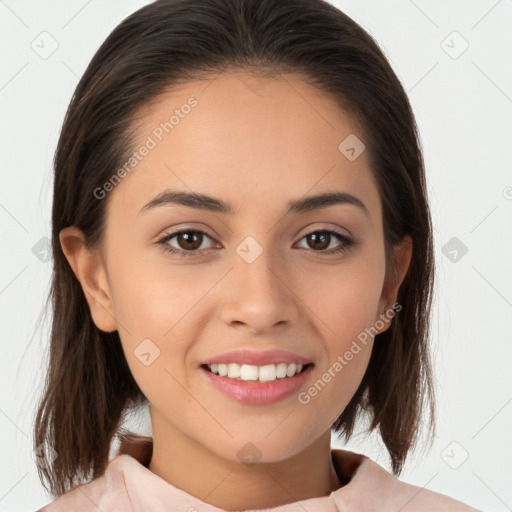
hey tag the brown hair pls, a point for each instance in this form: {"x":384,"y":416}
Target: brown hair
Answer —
{"x":89,"y":386}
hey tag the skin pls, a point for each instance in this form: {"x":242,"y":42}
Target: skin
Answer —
{"x":256,"y":143}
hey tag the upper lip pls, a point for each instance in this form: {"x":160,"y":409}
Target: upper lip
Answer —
{"x":258,"y":358}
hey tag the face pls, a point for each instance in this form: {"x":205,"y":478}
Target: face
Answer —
{"x":308,"y":281}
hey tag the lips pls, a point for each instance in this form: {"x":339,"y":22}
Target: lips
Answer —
{"x":252,"y":391}
{"x":257,"y":358}
{"x":258,"y":393}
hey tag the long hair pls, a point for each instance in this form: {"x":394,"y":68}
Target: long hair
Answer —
{"x":88,"y":385}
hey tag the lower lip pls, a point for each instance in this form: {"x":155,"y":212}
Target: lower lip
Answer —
{"x":258,"y":393}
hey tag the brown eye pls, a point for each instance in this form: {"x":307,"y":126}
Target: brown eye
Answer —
{"x":319,"y":240}
{"x":189,"y":240}
{"x":186,"y":243}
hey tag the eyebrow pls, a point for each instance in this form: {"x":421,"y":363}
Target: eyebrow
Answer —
{"x":205,"y":202}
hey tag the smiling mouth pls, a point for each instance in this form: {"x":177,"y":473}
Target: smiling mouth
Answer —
{"x":253,"y":373}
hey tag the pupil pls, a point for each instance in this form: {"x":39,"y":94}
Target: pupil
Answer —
{"x":188,"y":236}
{"x":317,"y":236}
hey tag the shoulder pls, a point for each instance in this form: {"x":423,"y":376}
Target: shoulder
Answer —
{"x":110,"y":492}
{"x":107,"y":492}
{"x":372,"y":488}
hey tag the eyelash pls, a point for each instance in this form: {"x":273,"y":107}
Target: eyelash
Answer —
{"x":344,"y":247}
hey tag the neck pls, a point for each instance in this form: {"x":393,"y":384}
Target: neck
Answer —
{"x":233,"y":485}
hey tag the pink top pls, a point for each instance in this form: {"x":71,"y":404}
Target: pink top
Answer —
{"x":129,"y":486}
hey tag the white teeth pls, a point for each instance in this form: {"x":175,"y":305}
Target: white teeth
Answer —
{"x":266,"y":373}
{"x":248,"y":372}
{"x":290,"y":371}
{"x":281,"y":370}
{"x":233,"y":370}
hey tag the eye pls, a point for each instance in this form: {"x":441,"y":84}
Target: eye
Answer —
{"x":323,"y":238}
{"x":189,"y":242}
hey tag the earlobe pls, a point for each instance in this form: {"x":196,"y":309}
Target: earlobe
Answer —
{"x":90,"y":271}
{"x":402,"y":253}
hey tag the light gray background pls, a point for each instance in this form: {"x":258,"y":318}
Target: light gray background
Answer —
{"x":463,"y":105}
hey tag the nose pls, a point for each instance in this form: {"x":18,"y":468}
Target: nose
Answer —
{"x":259,"y":295}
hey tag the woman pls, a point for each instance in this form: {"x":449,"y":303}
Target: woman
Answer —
{"x":242,"y":241}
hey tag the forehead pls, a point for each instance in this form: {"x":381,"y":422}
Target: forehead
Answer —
{"x":251,"y":139}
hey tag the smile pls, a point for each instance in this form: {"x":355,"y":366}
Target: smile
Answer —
{"x":257,"y":385}
{"x":266,"y":373}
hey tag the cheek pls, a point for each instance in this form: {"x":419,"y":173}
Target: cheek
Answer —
{"x":346,"y":303}
{"x":346,"y":327}
{"x":346,"y":297}
{"x":150,"y":297}
{"x":157,"y":306}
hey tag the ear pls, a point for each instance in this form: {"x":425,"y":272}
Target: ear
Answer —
{"x":89,"y":269}
{"x":395,"y":274}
